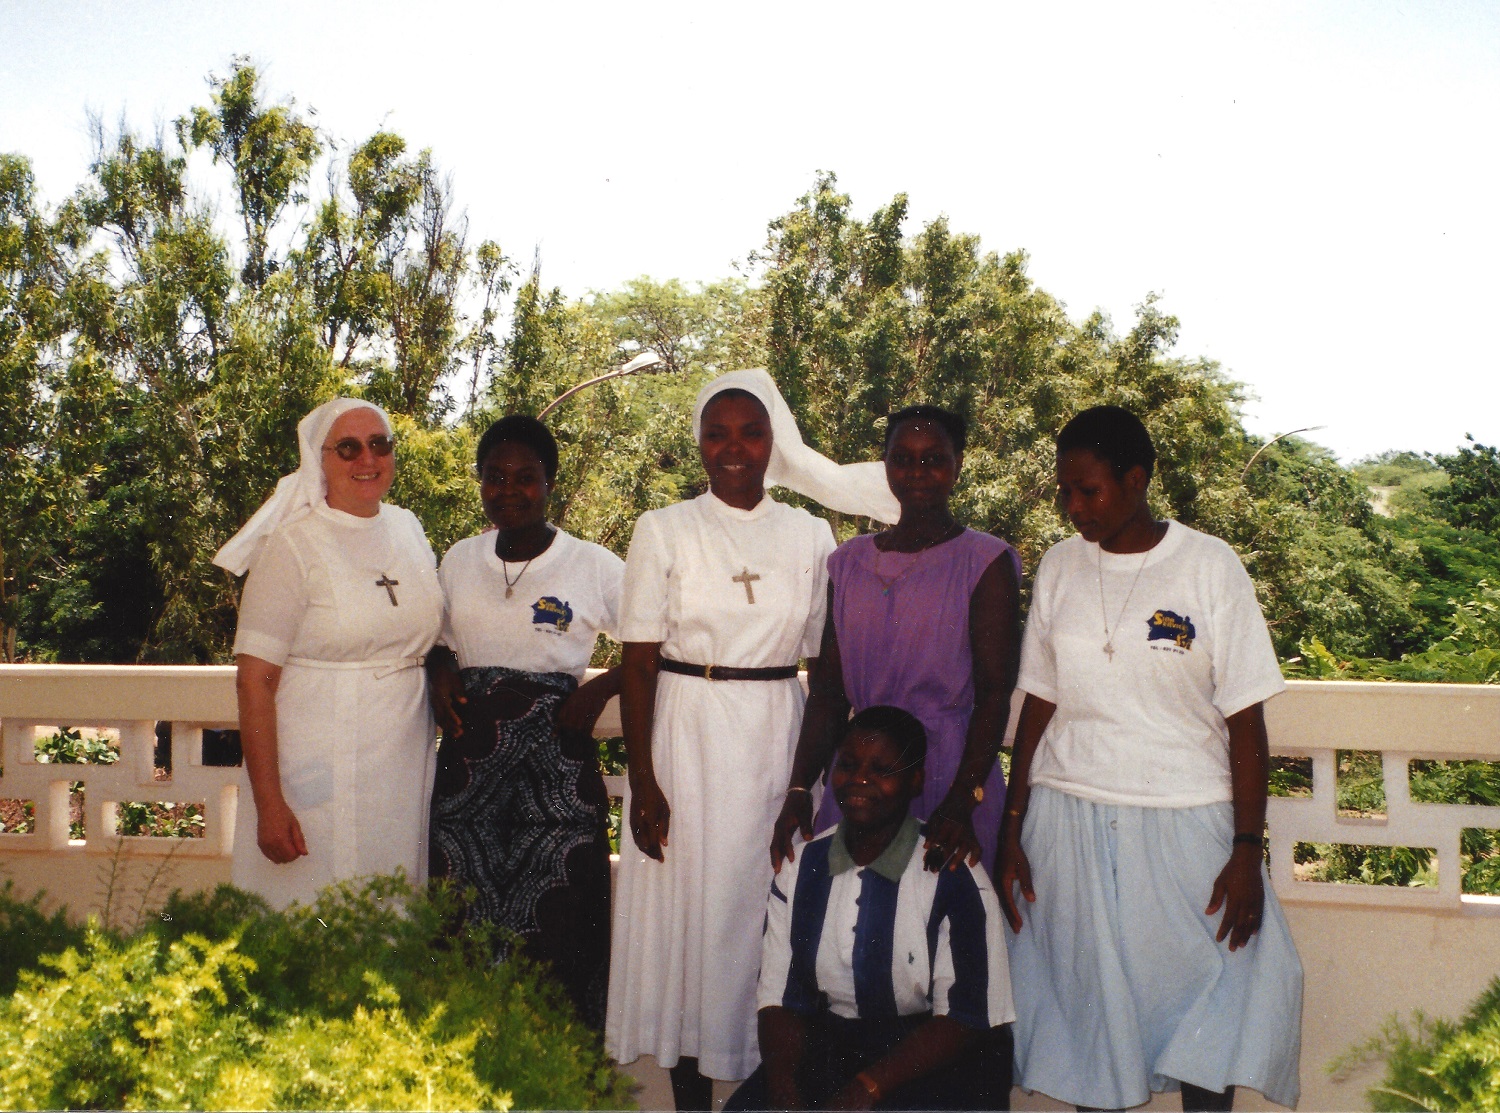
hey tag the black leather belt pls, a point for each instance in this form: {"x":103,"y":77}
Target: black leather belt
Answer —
{"x":727,"y":672}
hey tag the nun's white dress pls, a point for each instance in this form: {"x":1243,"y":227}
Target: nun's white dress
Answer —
{"x":686,"y":934}
{"x":347,"y":606}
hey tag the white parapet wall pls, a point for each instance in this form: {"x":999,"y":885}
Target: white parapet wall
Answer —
{"x":1369,"y":951}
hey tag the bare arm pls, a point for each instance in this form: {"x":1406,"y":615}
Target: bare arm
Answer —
{"x":783,"y":1044}
{"x":650,"y":815}
{"x":1239,"y":889}
{"x":822,"y":723}
{"x":445,"y":689}
{"x":995,"y":642}
{"x":934,"y":1045}
{"x":580,"y":711}
{"x":278,"y":833}
{"x":1011,"y":867}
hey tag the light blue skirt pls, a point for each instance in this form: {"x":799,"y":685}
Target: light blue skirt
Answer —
{"x":1120,"y":988}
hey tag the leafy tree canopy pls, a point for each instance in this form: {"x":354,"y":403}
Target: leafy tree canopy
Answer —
{"x":155,"y":368}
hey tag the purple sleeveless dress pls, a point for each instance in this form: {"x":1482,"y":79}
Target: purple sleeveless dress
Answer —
{"x":902,"y":621}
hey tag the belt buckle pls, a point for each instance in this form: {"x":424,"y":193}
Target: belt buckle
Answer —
{"x":708,"y":672}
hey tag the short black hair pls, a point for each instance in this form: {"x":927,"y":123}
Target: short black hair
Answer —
{"x":520,"y":429}
{"x":1113,"y":434}
{"x":901,"y":727}
{"x":955,"y":425}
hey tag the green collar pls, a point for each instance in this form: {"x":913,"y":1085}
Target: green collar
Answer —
{"x":893,"y":859}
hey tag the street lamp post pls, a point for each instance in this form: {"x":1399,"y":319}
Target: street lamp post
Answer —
{"x":643,"y":362}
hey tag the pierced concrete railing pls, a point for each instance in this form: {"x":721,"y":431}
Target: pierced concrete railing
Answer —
{"x":1404,"y":722}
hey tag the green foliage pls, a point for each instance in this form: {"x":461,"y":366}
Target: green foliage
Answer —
{"x":1441,"y":564}
{"x":1435,"y":1064}
{"x":151,"y":387}
{"x":179,"y":821}
{"x":1471,"y":498}
{"x":27,"y":933}
{"x":269,"y":149}
{"x":67,"y":746}
{"x":369,"y":999}
{"x":1468,"y":654}
{"x":861,"y":320}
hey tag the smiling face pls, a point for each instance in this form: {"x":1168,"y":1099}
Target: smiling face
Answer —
{"x":513,"y":486}
{"x":921,"y":465}
{"x":734,"y":440}
{"x":1098,"y":502}
{"x":872,"y":783}
{"x":356,"y":486}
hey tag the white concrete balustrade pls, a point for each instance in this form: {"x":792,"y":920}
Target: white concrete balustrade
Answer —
{"x":1368,"y":951}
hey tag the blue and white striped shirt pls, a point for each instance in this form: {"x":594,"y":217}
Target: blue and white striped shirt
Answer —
{"x":888,"y":939}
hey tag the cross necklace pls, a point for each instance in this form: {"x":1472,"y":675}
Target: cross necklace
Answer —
{"x":1109,"y":639}
{"x":746,"y":577}
{"x":385,"y":580}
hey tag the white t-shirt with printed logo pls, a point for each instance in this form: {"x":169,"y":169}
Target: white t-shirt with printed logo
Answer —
{"x":1191,"y":648}
{"x":559,"y":604}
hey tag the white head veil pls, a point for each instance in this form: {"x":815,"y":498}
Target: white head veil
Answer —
{"x":858,"y":489}
{"x":296,"y":494}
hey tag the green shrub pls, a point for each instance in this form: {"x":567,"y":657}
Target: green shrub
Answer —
{"x":370,"y":998}
{"x":1435,"y":1064}
{"x":26,"y":933}
{"x":69,"y":747}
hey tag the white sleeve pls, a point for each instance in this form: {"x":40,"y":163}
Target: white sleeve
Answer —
{"x":273,"y":603}
{"x":611,"y":587}
{"x":419,"y":535}
{"x":970,"y":969}
{"x":1038,"y":674}
{"x":447,"y":575}
{"x":812,"y":631}
{"x":643,"y":598}
{"x":1246,"y":671}
{"x":776,"y":943}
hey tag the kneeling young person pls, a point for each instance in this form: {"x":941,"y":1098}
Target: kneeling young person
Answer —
{"x":882,"y":984}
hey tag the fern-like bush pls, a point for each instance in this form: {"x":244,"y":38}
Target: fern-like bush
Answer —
{"x":1436,"y":1064}
{"x":369,"y":999}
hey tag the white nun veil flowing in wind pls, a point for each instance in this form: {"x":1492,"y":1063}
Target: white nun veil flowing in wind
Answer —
{"x":858,"y":489}
{"x":710,"y":584}
{"x":296,"y":494}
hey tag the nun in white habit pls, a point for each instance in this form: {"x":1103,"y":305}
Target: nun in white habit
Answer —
{"x":723,"y":594}
{"x":341,"y":603}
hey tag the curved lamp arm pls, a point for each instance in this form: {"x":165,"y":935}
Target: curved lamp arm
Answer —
{"x":640,"y":363}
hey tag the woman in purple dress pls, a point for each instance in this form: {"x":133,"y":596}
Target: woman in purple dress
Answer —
{"x":924,"y":617}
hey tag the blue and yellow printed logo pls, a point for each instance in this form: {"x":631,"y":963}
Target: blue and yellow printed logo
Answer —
{"x":552,"y":611}
{"x":1173,"y":627}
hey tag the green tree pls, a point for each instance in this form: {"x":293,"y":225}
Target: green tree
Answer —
{"x":1471,"y":499}
{"x":32,"y":507}
{"x":269,"y":149}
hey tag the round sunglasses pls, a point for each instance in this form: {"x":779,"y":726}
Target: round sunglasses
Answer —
{"x":350,"y":448}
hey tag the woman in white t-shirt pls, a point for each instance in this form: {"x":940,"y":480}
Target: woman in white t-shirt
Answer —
{"x":1151,"y":955}
{"x":518,"y":806}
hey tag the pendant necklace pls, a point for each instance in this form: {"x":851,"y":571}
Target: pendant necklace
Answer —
{"x":1109,"y":640}
{"x":510,"y":584}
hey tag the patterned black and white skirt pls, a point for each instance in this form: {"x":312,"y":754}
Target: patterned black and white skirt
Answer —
{"x":519,"y":817}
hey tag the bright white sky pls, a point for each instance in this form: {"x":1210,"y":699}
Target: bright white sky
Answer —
{"x":1311,"y":187}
